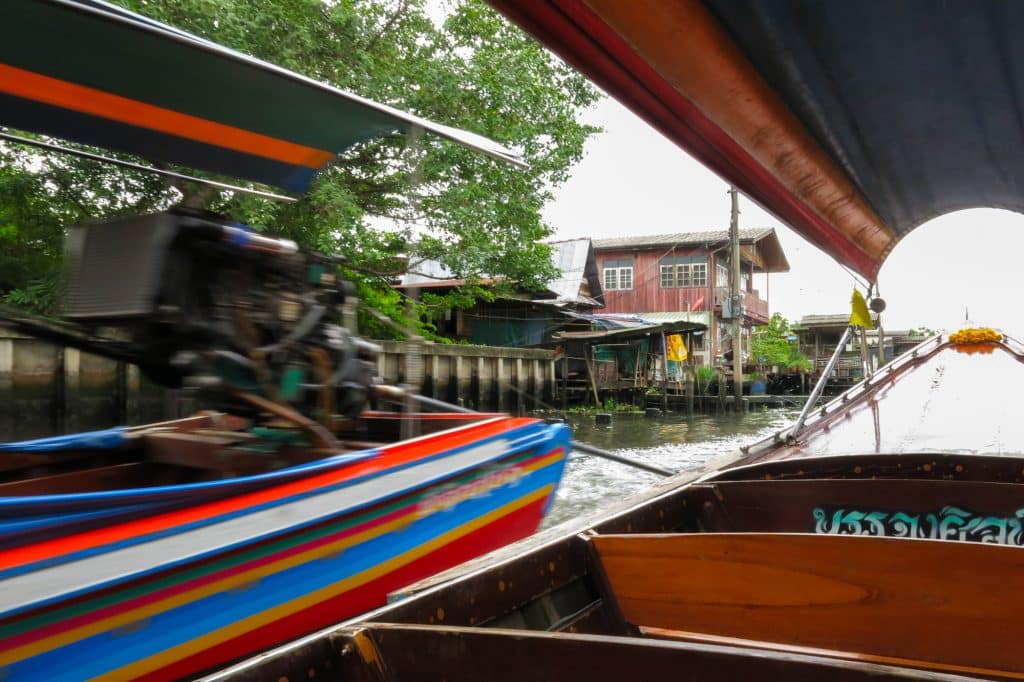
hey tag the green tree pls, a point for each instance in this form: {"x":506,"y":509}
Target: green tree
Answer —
{"x":775,"y":344}
{"x":381,"y":200}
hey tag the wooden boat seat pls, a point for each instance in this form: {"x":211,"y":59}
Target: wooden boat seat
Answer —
{"x":925,"y":508}
{"x":715,"y":640}
{"x":213,"y":451}
{"x":952,"y":606}
{"x":114,"y":477}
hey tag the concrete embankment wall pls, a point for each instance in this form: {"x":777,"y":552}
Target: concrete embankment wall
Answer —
{"x":47,"y":389}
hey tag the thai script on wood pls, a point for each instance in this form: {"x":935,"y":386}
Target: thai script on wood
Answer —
{"x":951,"y":523}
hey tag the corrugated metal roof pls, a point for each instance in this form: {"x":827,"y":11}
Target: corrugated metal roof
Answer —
{"x":681,"y":239}
{"x":838,"y":320}
{"x":572,"y":257}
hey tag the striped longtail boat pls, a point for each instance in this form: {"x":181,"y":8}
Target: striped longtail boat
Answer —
{"x":113,"y":567}
{"x":160,"y":551}
{"x":881,"y":536}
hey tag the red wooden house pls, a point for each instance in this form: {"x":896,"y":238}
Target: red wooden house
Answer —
{"x":685,"y":276}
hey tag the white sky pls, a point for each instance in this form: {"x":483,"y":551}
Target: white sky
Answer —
{"x":634,"y":181}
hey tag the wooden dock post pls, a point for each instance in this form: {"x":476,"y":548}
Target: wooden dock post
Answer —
{"x":721,"y":390}
{"x":518,"y":386}
{"x":691,"y":386}
{"x":480,"y":393}
{"x":7,"y":384}
{"x":664,"y":373}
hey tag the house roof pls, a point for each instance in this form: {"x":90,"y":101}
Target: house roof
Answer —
{"x":574,"y":259}
{"x":694,"y":316}
{"x":625,"y":333}
{"x":764,"y":239}
{"x":837,"y":320}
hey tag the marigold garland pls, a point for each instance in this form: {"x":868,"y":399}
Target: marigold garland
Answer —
{"x":975,"y":335}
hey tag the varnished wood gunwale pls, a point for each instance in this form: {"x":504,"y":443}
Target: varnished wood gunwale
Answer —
{"x":948,"y":603}
{"x":377,"y":652}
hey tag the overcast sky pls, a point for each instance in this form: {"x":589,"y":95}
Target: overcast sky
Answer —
{"x":634,"y":181}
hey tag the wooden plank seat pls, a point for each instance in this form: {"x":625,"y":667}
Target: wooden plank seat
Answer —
{"x":937,"y":509}
{"x":953,"y":606}
{"x":394,"y":653}
{"x":715,"y":640}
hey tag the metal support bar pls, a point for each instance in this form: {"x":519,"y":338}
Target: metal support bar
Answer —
{"x":139,"y":167}
{"x":820,"y":386}
{"x":399,"y":394}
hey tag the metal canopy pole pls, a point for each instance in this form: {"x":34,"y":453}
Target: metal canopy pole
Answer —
{"x":820,"y":386}
{"x":737,"y":301}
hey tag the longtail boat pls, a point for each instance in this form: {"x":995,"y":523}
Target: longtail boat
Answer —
{"x":162,"y":550}
{"x":879,"y":536}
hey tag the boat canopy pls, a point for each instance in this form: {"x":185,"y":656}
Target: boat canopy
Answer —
{"x":93,"y":73}
{"x":852,"y":122}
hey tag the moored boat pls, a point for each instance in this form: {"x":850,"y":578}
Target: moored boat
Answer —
{"x":165,"y":549}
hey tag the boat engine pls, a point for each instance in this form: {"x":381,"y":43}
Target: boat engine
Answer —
{"x":252,"y":321}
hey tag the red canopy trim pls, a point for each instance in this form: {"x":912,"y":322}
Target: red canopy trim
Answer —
{"x":673,"y":65}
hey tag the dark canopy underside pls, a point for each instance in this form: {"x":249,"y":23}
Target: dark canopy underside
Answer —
{"x":919,"y":101}
{"x":853,"y":121}
{"x":93,"y":73}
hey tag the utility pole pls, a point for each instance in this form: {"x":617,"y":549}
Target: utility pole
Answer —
{"x":736,"y":298}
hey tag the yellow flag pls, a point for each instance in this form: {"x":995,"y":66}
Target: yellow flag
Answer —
{"x":676,"y":348}
{"x":860,"y":315}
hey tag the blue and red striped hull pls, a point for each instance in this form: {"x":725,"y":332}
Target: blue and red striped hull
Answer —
{"x":167,"y":594}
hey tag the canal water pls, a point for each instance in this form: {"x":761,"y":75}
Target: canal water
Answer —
{"x":671,"y":441}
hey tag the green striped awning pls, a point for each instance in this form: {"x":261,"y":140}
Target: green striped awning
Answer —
{"x":90,"y":72}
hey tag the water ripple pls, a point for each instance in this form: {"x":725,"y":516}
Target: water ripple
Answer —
{"x":671,"y":442}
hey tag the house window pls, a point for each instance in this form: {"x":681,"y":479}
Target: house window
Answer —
{"x":668,"y":276}
{"x":721,"y":275}
{"x":683,"y":271}
{"x":618,"y":273}
{"x":698,"y":275}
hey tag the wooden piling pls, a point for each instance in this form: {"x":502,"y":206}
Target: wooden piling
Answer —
{"x":691,"y":386}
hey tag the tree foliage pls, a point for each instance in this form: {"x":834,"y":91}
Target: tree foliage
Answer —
{"x":775,"y":345}
{"x":383,"y":199}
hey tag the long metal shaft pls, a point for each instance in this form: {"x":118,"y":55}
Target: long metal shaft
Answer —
{"x":139,"y":167}
{"x":398,"y":394}
{"x":737,"y":299}
{"x":820,"y":386}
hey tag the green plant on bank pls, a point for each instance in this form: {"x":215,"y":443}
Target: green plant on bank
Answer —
{"x":703,"y":378}
{"x":775,"y":345}
{"x":380,"y":205}
{"x":608,"y":405}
